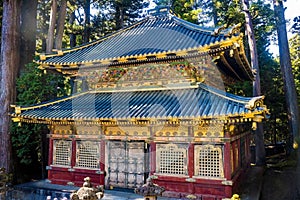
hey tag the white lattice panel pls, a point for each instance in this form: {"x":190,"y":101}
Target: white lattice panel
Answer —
{"x":208,"y":161}
{"x":171,"y":159}
{"x":62,"y":150}
{"x":87,"y":154}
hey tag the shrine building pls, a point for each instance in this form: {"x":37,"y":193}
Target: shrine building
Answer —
{"x":150,"y":100}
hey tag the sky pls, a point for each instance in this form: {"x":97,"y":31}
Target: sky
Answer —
{"x":292,"y":10}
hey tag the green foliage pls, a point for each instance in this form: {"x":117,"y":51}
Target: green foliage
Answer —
{"x":186,"y":10}
{"x":296,"y":26}
{"x":295,"y":59}
{"x":275,"y":128}
{"x":121,"y":13}
{"x":26,"y":142}
{"x":272,"y":87}
{"x":34,"y":86}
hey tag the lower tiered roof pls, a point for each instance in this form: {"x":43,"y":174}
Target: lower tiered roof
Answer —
{"x":144,"y":104}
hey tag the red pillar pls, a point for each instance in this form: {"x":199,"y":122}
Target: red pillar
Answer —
{"x":227,"y":168}
{"x":73,"y":154}
{"x":191,"y":166}
{"x":152,"y":157}
{"x":50,"y":157}
{"x":102,"y":162}
{"x":152,"y":152}
{"x":191,"y":160}
{"x":191,"y":153}
{"x":73,"y":160}
{"x":238,"y":146}
{"x":248,"y":149}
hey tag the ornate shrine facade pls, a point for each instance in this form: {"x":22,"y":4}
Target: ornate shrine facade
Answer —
{"x":151,"y":101}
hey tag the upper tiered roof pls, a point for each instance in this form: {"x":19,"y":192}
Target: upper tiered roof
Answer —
{"x":157,"y":38}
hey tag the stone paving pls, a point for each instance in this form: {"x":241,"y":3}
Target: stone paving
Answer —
{"x":39,"y":190}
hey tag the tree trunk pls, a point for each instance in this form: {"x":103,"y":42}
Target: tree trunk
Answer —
{"x":119,"y":16}
{"x":72,"y":35}
{"x":28,"y":32}
{"x":60,"y":24}
{"x":214,"y":13}
{"x":87,"y":28}
{"x":10,"y":42}
{"x":259,"y":132}
{"x":50,"y":35}
{"x":286,"y":69}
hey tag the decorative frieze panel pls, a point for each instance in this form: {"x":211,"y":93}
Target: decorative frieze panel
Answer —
{"x":127,"y":131}
{"x":62,"y":129}
{"x":171,"y":131}
{"x":62,"y":151}
{"x":149,"y":74}
{"x":209,"y":161}
{"x":87,"y":130}
{"x":171,"y":159}
{"x":211,"y":130}
{"x":87,"y":154}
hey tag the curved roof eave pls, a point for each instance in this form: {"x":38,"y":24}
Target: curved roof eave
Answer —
{"x":211,"y":48}
{"x":223,"y":106}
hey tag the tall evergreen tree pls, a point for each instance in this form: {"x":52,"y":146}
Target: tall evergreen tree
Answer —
{"x":51,"y":28}
{"x":10,"y":54}
{"x":260,"y":153}
{"x":60,"y":24}
{"x":28,"y":32}
{"x":286,"y":69}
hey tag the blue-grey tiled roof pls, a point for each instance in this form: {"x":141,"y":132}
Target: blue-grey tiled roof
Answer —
{"x":200,"y":102}
{"x":152,"y":35}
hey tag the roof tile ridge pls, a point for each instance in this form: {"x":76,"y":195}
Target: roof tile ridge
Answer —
{"x":146,"y":89}
{"x":226,"y":95}
{"x":51,"y":102}
{"x":193,"y":26}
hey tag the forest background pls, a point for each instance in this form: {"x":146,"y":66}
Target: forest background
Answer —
{"x":37,"y":26}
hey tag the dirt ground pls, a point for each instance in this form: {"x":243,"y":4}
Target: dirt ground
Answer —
{"x":281,"y":179}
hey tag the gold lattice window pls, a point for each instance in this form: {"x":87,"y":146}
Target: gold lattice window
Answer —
{"x":62,"y":152}
{"x":171,"y":159}
{"x":87,"y":154}
{"x":208,"y":161}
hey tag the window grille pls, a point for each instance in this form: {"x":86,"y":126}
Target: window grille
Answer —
{"x":87,"y":154}
{"x":62,"y":152}
{"x":171,"y":159}
{"x":208,"y":161}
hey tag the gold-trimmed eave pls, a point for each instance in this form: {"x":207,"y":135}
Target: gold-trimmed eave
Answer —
{"x":251,"y":104}
{"x":212,"y":49}
{"x":256,"y":116}
{"x":44,"y":56}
